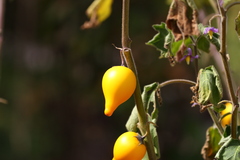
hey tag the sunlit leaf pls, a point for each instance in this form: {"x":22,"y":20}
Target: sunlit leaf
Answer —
{"x":98,"y":11}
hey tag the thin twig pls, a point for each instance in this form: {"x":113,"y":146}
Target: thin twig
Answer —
{"x":172,"y":81}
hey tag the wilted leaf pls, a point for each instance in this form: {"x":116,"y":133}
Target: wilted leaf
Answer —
{"x":149,"y":94}
{"x":98,"y":11}
{"x":210,"y":87}
{"x":237,"y":25}
{"x":182,"y":19}
{"x":211,"y":145}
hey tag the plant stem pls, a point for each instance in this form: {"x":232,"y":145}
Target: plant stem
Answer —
{"x":142,"y":116}
{"x":215,"y":120}
{"x":210,"y":111}
{"x":185,"y":81}
{"x":223,"y":52}
{"x":126,"y":41}
{"x":126,"y":51}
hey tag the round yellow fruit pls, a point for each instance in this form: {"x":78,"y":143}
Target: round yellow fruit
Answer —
{"x":129,"y":146}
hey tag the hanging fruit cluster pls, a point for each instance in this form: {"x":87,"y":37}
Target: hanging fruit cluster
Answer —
{"x":118,"y":84}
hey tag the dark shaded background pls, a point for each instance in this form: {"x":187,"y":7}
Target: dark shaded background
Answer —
{"x":51,"y":76}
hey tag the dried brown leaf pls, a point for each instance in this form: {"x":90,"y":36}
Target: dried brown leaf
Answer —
{"x":182,"y":20}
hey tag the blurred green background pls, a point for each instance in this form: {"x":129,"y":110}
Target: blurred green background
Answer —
{"x":51,"y":76}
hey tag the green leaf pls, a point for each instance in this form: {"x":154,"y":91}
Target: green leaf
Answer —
{"x":131,"y":124}
{"x":210,"y":87}
{"x":219,"y":107}
{"x":188,"y":42}
{"x":211,"y":145}
{"x":201,"y":28}
{"x":154,"y":135}
{"x":227,"y":131}
{"x":176,"y":46}
{"x":149,"y":99}
{"x":162,"y":39}
{"x":148,"y":96}
{"x":203,"y":44}
{"x":230,"y":150}
{"x":237,"y":25}
{"x":215,"y":39}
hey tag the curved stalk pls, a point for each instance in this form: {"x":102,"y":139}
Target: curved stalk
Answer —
{"x":185,"y":81}
{"x":231,"y":5}
{"x":210,"y":111}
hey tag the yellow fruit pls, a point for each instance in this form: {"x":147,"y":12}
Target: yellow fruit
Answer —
{"x":128,"y":146}
{"x":227,"y":119}
{"x":118,"y":85}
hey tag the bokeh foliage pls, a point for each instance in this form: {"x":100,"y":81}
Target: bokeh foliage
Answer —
{"x":51,"y":76}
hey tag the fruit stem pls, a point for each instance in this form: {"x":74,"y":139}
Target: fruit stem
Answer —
{"x":142,"y":116}
{"x":127,"y":54}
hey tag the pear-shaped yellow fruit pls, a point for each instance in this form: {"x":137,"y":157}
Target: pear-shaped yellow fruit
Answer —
{"x":118,"y":85}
